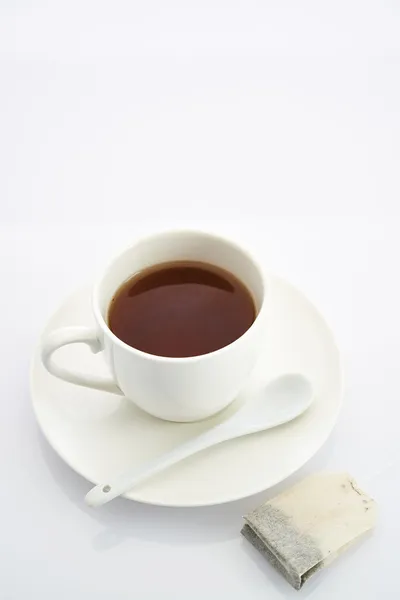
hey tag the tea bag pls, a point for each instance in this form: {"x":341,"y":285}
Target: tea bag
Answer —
{"x":305,"y":528}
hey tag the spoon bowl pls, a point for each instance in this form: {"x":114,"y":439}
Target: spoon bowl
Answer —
{"x":284,"y":399}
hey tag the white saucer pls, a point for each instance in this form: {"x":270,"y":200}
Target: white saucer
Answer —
{"x":99,"y":434}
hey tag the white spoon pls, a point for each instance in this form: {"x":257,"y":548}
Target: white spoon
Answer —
{"x":282,"y":400}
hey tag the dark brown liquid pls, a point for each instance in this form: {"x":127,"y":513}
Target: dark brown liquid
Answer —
{"x":181,"y":309}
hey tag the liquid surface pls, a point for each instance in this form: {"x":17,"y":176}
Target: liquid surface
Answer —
{"x":181,"y":309}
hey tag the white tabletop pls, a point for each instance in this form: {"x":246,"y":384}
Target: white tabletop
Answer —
{"x":274,"y":122}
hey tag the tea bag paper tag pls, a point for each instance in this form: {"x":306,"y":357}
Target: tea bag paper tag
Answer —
{"x":306,"y":527}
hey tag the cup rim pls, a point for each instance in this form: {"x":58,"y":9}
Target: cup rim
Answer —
{"x":183,"y":359}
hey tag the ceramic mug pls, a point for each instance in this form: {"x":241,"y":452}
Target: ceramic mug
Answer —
{"x":175,"y":389}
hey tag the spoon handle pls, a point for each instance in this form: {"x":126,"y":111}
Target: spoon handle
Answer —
{"x":104,"y":492}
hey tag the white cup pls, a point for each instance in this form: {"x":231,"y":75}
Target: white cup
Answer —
{"x":175,"y":389}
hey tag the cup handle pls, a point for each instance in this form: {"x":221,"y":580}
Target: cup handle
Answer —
{"x":76,"y":335}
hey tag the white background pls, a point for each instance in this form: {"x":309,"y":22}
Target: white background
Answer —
{"x":278,"y":122}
